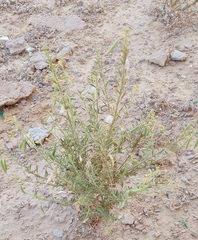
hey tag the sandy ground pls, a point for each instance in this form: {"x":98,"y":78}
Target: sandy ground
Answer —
{"x":159,"y":213}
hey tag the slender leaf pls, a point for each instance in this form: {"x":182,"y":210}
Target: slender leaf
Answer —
{"x":184,"y":223}
{"x":42,"y":209}
{"x":1,"y":113}
{"x":113,"y":46}
{"x":3,"y":165}
{"x":196,"y":144}
{"x":22,"y":189}
{"x":23,"y":146}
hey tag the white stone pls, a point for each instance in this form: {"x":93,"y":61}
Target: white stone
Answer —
{"x":37,"y":135}
{"x":109,"y":119}
{"x":4,"y":38}
{"x":178,"y":56}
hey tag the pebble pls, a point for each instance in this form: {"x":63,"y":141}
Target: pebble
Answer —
{"x":178,"y":56}
{"x":109,"y":119}
{"x":161,"y":57}
{"x":58,"y":233}
{"x":190,"y":157}
{"x":4,"y":38}
{"x":141,"y":24}
{"x":157,"y":234}
{"x":188,"y":176}
{"x":30,"y":50}
{"x":139,"y":227}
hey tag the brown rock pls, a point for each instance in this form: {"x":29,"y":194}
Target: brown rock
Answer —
{"x":160,"y":57}
{"x":11,"y":92}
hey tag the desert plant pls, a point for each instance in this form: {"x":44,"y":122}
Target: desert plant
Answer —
{"x":95,"y":150}
{"x":179,"y":5}
{"x":175,"y":14}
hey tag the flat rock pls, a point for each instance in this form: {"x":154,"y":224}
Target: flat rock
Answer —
{"x":178,"y":56}
{"x":60,"y":23}
{"x":128,"y":219}
{"x":37,"y":135}
{"x":17,"y":45}
{"x":12,"y":92}
{"x":161,"y":57}
{"x":39,"y":60}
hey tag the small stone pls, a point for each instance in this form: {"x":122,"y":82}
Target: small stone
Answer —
{"x":58,"y":233}
{"x":4,"y":38}
{"x":128,"y":219}
{"x":30,"y":50}
{"x":188,"y":153}
{"x":13,"y":92}
{"x":185,"y":180}
{"x":190,"y":157}
{"x":39,"y":60}
{"x":178,"y":56}
{"x":108,"y":119}
{"x":160,"y":57}
{"x":17,"y":45}
{"x":157,"y":234}
{"x":37,"y":135}
{"x":141,"y":24}
{"x":142,"y":106}
{"x":139,"y":227}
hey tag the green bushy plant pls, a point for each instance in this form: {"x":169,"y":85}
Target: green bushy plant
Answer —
{"x":94,"y":151}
